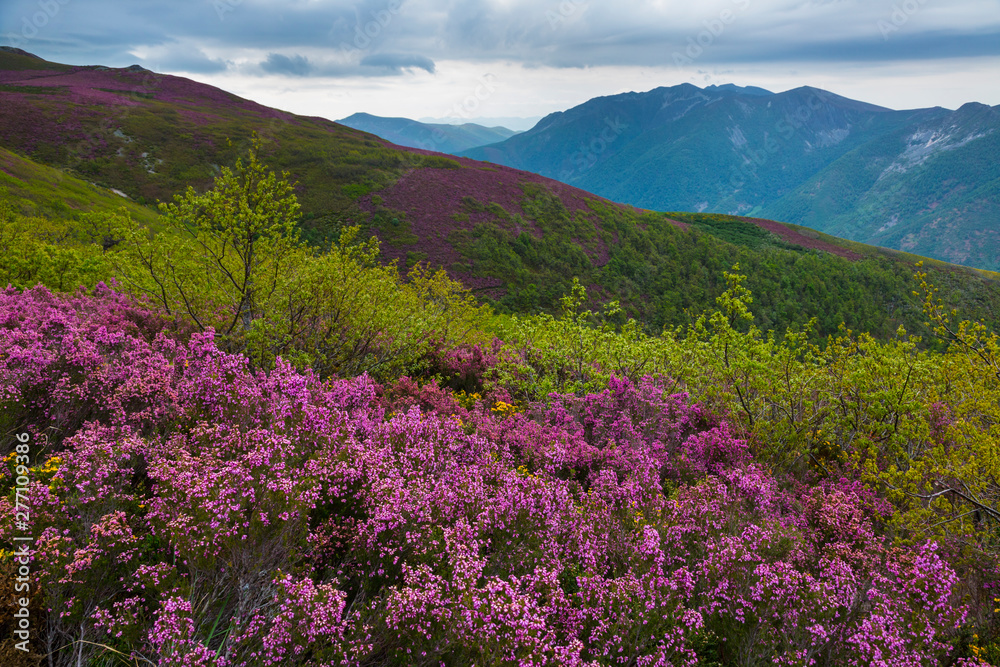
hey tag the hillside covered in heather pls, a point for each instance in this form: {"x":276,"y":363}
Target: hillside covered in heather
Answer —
{"x":190,"y":509}
{"x":514,"y":237}
{"x":236,"y":435}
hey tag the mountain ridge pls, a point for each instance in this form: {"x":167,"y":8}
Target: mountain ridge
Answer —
{"x":721,"y":150}
{"x":439,"y":137}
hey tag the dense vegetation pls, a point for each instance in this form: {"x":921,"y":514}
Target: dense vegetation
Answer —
{"x":663,"y":274}
{"x":255,"y":452}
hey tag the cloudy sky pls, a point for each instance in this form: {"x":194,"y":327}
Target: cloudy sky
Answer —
{"x":525,"y":58}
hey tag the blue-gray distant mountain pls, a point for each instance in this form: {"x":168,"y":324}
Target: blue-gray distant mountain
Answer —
{"x":516,"y":123}
{"x":924,"y":180}
{"x":428,"y":136}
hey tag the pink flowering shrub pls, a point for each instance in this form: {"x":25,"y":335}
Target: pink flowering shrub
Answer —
{"x":308,"y":620}
{"x":191,"y":512}
{"x":65,"y":360}
{"x":173,"y":636}
{"x":464,"y":367}
{"x":634,"y":428}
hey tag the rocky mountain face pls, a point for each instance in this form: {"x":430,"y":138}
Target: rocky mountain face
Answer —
{"x":923,"y":180}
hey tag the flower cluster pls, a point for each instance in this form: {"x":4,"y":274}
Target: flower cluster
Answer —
{"x":200,"y":513}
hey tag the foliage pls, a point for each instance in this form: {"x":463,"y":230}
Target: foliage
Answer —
{"x":302,"y":457}
{"x":733,"y":230}
{"x":231,"y":261}
{"x":38,"y":191}
{"x":225,"y":251}
{"x":918,"y":425}
{"x":212,"y":515}
{"x":342,"y":313}
{"x":55,"y":253}
{"x":664,"y":275}
{"x":152,"y":136}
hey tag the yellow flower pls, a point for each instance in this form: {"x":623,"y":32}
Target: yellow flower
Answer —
{"x":52,"y":464}
{"x":504,"y":408}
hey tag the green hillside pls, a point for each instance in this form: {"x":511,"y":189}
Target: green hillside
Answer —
{"x":518,"y":239}
{"x":37,"y":190}
{"x":932,"y":190}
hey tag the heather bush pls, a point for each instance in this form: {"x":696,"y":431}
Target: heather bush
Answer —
{"x":254,"y":517}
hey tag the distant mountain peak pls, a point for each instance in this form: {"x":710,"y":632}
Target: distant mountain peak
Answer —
{"x":919,"y":180}
{"x":827,"y":97}
{"x":974,"y":106}
{"x":445,"y":138}
{"x":741,"y":90}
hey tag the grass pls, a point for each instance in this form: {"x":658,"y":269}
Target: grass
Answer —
{"x":33,"y":90}
{"x":17,"y":62}
{"x":37,"y":190}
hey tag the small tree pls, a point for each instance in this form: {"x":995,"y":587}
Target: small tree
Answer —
{"x":225,"y":252}
{"x":231,"y":259}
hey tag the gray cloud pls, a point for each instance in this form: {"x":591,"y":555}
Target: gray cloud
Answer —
{"x":396,"y":62}
{"x":186,"y":60}
{"x":377,"y":37}
{"x":278,"y":64}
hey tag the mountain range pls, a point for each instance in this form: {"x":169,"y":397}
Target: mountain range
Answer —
{"x":924,"y":180}
{"x":94,"y":138}
{"x":441,"y":137}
